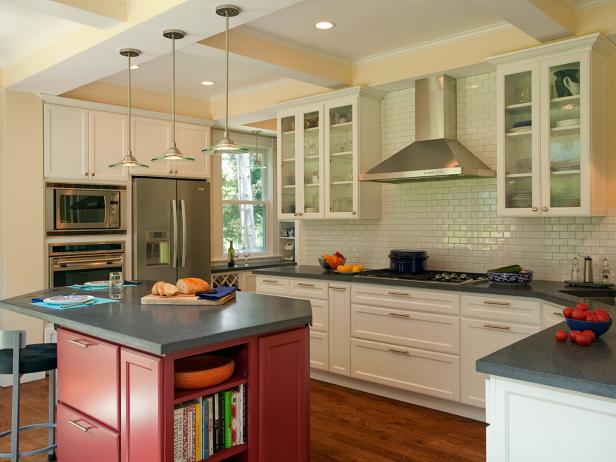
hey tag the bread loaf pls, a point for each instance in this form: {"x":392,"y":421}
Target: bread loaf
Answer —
{"x":156,"y":288}
{"x":190,"y":286}
{"x":169,"y":290}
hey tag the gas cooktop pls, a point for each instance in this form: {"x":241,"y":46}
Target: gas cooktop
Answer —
{"x":450,"y":277}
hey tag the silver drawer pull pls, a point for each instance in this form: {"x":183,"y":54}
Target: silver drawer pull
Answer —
{"x":270,"y":281}
{"x":341,"y":289}
{"x":400,"y":294}
{"x":558,"y":313}
{"x":305,"y":284}
{"x":79,"y":426}
{"x":398,"y":352}
{"x":399,"y":315}
{"x":78,"y":343}
{"x":496,"y":302}
{"x":491,"y":326}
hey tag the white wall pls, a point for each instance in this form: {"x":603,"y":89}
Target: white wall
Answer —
{"x":455,"y":220}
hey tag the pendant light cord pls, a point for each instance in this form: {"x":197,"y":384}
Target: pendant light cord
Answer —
{"x":227,"y":75}
{"x":130,"y":104}
{"x":173,"y":93}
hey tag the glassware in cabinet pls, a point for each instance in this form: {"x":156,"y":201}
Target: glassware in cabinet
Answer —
{"x":312,"y":162}
{"x":287,"y":167}
{"x":341,"y":169}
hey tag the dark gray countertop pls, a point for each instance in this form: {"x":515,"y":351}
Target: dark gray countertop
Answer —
{"x":252,"y":265}
{"x":538,"y":358}
{"x":161,"y":329}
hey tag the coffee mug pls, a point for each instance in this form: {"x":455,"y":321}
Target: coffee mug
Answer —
{"x":571,"y":85}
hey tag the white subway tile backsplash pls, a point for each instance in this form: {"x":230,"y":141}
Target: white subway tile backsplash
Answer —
{"x":455,"y":220}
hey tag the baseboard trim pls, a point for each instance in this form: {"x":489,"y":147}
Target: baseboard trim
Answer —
{"x":450,"y":407}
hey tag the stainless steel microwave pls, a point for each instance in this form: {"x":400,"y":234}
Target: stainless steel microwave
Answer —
{"x":85,"y":209}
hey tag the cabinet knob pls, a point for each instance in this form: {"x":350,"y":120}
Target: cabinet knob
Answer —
{"x":353,"y":212}
{"x":93,"y":173}
{"x":87,"y":174}
{"x":544,"y":209}
{"x":534,"y":209}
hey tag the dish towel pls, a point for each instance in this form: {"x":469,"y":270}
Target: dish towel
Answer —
{"x":87,"y":288}
{"x":95,"y":301}
{"x":221,"y":292}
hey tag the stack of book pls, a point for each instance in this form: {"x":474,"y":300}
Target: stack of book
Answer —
{"x":204,"y":426}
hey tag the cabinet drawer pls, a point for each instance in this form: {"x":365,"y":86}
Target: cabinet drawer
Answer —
{"x":501,"y":309}
{"x":320,"y":315}
{"x":319,"y":350}
{"x":427,"y":372}
{"x":82,"y":438}
{"x":406,"y":298}
{"x":306,"y":288}
{"x":272,"y":285}
{"x":427,"y":331}
{"x":551,"y":315}
{"x":88,"y":376}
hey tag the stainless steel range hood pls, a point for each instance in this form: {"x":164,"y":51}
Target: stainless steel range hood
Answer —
{"x":436,"y":153}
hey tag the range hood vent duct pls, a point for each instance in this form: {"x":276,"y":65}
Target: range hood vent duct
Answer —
{"x":437,"y":153}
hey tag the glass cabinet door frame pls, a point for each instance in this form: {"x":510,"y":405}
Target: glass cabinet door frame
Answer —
{"x":299,"y":162}
{"x":502,"y":73}
{"x":279,"y":153}
{"x":353,"y":102}
{"x":546,"y":134}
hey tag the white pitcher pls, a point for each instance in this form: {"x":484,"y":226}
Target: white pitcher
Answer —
{"x":571,"y":85}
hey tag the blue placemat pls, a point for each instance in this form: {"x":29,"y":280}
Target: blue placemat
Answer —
{"x":221,"y":292}
{"x":86,"y":288}
{"x":96,"y":301}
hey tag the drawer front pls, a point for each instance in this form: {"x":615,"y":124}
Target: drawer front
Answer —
{"x":426,"y":372}
{"x":81,"y":438}
{"x":319,"y":350}
{"x":406,"y":298}
{"x":427,"y":331}
{"x":551,"y":315}
{"x":320,"y":315}
{"x":88,"y":376}
{"x":502,"y":309}
{"x":272,"y":285}
{"x":307,"y":288}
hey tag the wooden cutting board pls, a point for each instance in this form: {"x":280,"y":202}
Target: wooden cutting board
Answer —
{"x":184,"y":300}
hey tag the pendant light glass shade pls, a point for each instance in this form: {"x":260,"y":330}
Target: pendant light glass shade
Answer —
{"x":226,"y":144}
{"x":129,"y":160}
{"x":258,"y":157}
{"x":173,"y":153}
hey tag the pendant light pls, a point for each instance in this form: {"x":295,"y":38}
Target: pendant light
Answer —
{"x":129,"y":159}
{"x":226,"y":144}
{"x":258,"y":157}
{"x":173,"y":153}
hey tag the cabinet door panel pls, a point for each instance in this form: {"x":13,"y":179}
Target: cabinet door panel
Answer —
{"x":340,"y":328}
{"x":309,"y":170}
{"x":151,"y":138}
{"x":108,"y":142}
{"x":284,"y":401}
{"x":319,"y":350}
{"x":320,"y":315}
{"x":66,"y":142}
{"x":480,"y":338}
{"x":551,"y":315}
{"x":191,"y":139}
{"x":288,"y":207}
{"x":406,"y":298}
{"x":307,"y":288}
{"x":501,"y":309}
{"x":141,"y":411}
{"x":271,"y":285}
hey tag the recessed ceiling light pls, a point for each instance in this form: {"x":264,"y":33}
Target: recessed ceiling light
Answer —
{"x":324,"y":25}
{"x":135,"y":66}
{"x":207,"y":83}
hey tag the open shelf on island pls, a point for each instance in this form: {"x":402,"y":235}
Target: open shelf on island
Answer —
{"x":224,"y":454}
{"x":181,"y":396}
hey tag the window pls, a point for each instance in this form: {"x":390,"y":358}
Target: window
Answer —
{"x":242,"y":189}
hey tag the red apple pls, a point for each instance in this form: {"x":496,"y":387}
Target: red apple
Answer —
{"x":561,"y":335}
{"x":567,"y":312}
{"x":578,"y":315}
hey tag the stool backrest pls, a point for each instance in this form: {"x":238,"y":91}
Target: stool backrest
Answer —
{"x":9,"y":339}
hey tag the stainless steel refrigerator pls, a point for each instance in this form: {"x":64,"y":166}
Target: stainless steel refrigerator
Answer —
{"x":171,"y":229}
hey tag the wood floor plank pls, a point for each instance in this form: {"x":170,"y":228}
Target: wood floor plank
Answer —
{"x":346,"y":426}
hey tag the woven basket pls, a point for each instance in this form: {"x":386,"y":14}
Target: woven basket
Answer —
{"x":202,"y":371}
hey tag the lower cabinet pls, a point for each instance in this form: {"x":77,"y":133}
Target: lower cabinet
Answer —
{"x":421,"y":371}
{"x":340,"y":328}
{"x":81,"y":438}
{"x":284,"y":423}
{"x":319,"y":350}
{"x":480,"y":338}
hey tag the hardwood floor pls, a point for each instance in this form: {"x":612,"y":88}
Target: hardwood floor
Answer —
{"x":346,"y":426}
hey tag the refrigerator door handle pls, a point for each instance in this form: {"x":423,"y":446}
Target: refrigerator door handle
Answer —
{"x":174,"y":212}
{"x":183,"y":205}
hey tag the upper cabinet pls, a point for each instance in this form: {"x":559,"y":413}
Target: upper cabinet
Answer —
{"x":323,"y":145}
{"x":80,"y":144}
{"x":551,"y":129}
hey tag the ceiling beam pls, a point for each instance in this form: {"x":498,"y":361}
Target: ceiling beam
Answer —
{"x":543,"y":20}
{"x":95,"y":13}
{"x":285,"y":61}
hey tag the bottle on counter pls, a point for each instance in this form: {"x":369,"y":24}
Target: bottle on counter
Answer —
{"x":231,"y":255}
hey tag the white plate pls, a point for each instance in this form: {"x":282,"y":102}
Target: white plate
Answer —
{"x":97,"y":284}
{"x":68,"y":299}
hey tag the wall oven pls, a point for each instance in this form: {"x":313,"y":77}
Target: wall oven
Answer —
{"x":81,"y":262}
{"x":85,"y":209}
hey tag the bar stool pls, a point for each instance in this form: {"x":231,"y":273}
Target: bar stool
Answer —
{"x":16,"y":359}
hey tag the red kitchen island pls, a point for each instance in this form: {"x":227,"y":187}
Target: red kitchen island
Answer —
{"x":116,"y":362}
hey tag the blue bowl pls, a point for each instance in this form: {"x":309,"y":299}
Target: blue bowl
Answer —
{"x":523,"y":277}
{"x":325,"y":266}
{"x":599,"y":328}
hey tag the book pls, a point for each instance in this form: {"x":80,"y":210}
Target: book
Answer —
{"x":210,"y":424}
{"x":178,"y":422}
{"x":221,"y":424}
{"x":227,"y":397}
{"x":244,"y":424}
{"x":235,"y":395}
{"x":197,"y":452}
{"x":216,"y":423}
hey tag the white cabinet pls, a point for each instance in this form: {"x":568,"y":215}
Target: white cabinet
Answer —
{"x":151,"y":138}
{"x":340,"y":328}
{"x":322,"y":148}
{"x":191,"y":139}
{"x":66,"y":142}
{"x":551,"y":129}
{"x":271,"y":285}
{"x":108,"y":142}
{"x":319,"y":350}
{"x":518,"y":310}
{"x":551,"y":315}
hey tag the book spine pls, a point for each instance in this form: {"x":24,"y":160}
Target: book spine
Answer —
{"x":204,"y":450}
{"x":235,"y":395}
{"x":198,"y":438}
{"x":177,"y":435}
{"x":221,"y":426}
{"x":210,"y":424}
{"x":185,"y":430}
{"x":228,"y":419}
{"x":244,"y":413}
{"x":216,"y":423}
{"x":190,"y":456}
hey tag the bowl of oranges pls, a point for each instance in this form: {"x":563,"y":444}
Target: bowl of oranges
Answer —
{"x":332,"y":262}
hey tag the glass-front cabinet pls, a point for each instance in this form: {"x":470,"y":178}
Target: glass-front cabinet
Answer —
{"x":319,"y":157}
{"x":551,"y":130}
